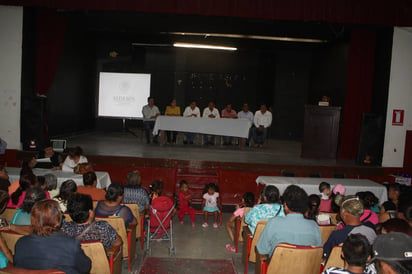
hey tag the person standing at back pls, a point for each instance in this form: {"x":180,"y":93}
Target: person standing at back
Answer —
{"x":150,"y":113}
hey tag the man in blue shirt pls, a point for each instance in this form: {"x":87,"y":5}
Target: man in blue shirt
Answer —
{"x":293,"y":228}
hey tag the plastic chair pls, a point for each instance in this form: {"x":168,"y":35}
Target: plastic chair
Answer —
{"x":325,"y":231}
{"x":160,"y":223}
{"x":239,"y":226}
{"x":128,"y":236}
{"x":8,"y":213}
{"x":140,"y":222}
{"x":289,"y":258}
{"x":102,"y":263}
{"x":249,"y":254}
{"x":335,"y":258}
{"x":11,"y":238}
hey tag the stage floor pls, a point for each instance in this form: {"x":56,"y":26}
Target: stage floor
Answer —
{"x":132,"y":144}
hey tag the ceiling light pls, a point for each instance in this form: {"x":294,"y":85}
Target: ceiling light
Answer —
{"x":202,"y":46}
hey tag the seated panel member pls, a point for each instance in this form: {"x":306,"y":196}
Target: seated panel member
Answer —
{"x":229,"y":113}
{"x":246,"y":115}
{"x":262,"y":120}
{"x":191,"y":111}
{"x":150,"y":113}
{"x":172,"y":110}
{"x":212,"y":113}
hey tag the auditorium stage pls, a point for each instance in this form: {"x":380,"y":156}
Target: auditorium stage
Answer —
{"x":132,"y":144}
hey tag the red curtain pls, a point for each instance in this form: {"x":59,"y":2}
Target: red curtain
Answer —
{"x":50,"y":33}
{"x":358,"y":90}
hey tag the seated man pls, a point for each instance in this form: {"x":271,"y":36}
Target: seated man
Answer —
{"x":212,"y":113}
{"x":356,"y":253}
{"x":393,"y":253}
{"x":292,"y":228}
{"x":48,"y":158}
{"x":247,"y":115}
{"x":191,"y":111}
{"x":150,"y":113}
{"x":229,"y":113}
{"x":89,"y":188}
{"x":83,"y":226}
{"x":262,"y":120}
{"x":351,"y":209}
{"x":269,"y":207}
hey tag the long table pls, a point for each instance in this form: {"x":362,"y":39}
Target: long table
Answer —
{"x":222,"y":126}
{"x":103,"y":178}
{"x":311,"y":185}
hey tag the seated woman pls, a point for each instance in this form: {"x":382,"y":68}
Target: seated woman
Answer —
{"x":22,"y":215}
{"x":73,"y":158}
{"x":67,"y":189}
{"x":51,"y":185}
{"x":84,"y":227}
{"x":134,"y":193}
{"x":112,"y":207}
{"x":48,"y":247}
{"x":4,"y":179}
{"x":27,"y":181}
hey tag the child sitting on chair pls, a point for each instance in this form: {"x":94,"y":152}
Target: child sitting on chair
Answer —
{"x":325,"y":200}
{"x":210,"y":202}
{"x":248,"y":200}
{"x":185,"y":201}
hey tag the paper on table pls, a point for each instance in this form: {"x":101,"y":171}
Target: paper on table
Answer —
{"x":43,"y":160}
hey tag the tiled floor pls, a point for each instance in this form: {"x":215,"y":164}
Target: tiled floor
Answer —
{"x":196,"y":243}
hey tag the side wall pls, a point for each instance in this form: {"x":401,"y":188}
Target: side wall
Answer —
{"x":11,"y":29}
{"x":400,"y":97}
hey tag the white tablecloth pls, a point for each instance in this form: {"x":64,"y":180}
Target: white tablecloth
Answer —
{"x":222,"y":126}
{"x":103,"y":178}
{"x":311,"y":185}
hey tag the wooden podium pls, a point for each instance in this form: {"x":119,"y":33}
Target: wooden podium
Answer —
{"x":321,"y":132}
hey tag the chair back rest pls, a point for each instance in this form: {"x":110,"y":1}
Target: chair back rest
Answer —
{"x":11,"y":238}
{"x":134,"y":208}
{"x":295,"y":259}
{"x":333,"y":217}
{"x":118,"y":224}
{"x":325,"y":231}
{"x":242,"y":222}
{"x":8,"y":213}
{"x":95,"y":204}
{"x":259,"y":228}
{"x":335,"y":258}
{"x":67,"y":217}
{"x":95,"y":251}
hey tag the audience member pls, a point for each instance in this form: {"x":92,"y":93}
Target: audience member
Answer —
{"x":368,"y":200}
{"x":111,"y":206}
{"x":172,"y":110}
{"x":248,"y":200}
{"x":292,"y":228}
{"x":392,"y":253}
{"x":326,"y":201}
{"x":5,"y":253}
{"x":191,"y":111}
{"x":337,"y":190}
{"x":185,"y":201}
{"x":356,"y":252}
{"x":134,"y":193}
{"x":4,"y":179}
{"x":262,"y":120}
{"x":67,"y":189}
{"x":269,"y":207}
{"x":211,"y":200}
{"x":150,"y":113}
{"x":25,"y":170}
{"x":246,"y":115}
{"x":84,"y":227}
{"x":212,"y":113}
{"x":389,"y":208}
{"x":27,"y":181}
{"x":162,"y":206}
{"x":48,"y":247}
{"x":405,"y":207}
{"x":74,"y":157}
{"x":395,"y":225}
{"x":22,"y":216}
{"x":351,"y":209}
{"x":51,"y":185}
{"x":229,"y":113}
{"x":89,"y":188}
{"x":312,"y":212}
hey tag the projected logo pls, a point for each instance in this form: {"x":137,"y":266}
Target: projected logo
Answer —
{"x":123,"y":96}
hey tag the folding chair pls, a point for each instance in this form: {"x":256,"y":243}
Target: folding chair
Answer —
{"x":140,"y":222}
{"x":249,"y":254}
{"x":102,"y":263}
{"x":325,"y":231}
{"x":239,"y":226}
{"x":335,"y":258}
{"x":11,"y":238}
{"x":8,"y":213}
{"x":160,"y":223}
{"x":289,"y":258}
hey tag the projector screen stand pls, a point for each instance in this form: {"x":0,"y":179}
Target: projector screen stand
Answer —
{"x":126,"y":129}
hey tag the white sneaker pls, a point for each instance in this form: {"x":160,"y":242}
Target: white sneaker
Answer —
{"x":215,"y":225}
{"x":205,"y":225}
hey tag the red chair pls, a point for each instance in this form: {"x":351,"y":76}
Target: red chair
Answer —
{"x":249,"y":254}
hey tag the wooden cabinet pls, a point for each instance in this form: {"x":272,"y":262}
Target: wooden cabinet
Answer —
{"x":321,"y":132}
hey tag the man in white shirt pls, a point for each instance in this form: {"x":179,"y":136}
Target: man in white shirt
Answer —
{"x":246,"y":115}
{"x":261,"y":121}
{"x":150,"y":113}
{"x":191,"y":111}
{"x":212,"y":113}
